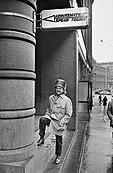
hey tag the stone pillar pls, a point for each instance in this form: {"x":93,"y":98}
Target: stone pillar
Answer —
{"x":17,"y":82}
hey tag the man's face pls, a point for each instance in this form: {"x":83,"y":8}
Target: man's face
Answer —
{"x":59,"y":90}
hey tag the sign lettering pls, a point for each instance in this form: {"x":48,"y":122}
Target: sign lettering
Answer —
{"x":70,"y":17}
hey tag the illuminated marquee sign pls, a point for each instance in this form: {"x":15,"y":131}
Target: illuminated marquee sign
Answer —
{"x":70,"y":18}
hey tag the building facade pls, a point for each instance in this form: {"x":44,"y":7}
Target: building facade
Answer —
{"x":103,"y":78}
{"x":109,"y":68}
{"x":31,"y":60}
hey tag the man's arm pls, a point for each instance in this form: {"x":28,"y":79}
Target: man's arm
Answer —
{"x":68,"y":112}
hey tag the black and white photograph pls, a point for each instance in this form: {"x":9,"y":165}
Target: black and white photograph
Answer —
{"x":56,"y":86}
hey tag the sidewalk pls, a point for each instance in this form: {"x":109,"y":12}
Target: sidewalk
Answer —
{"x":98,"y":150}
{"x":72,"y":150}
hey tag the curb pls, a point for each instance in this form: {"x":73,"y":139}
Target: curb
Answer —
{"x":67,"y":153}
{"x":82,"y":149}
{"x":73,"y":158}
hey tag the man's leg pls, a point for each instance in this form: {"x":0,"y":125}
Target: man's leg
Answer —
{"x":58,"y":148}
{"x":42,"y":127}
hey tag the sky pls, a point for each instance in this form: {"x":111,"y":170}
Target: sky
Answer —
{"x":102,"y":30}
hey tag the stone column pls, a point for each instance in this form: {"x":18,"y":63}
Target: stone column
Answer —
{"x":17,"y":82}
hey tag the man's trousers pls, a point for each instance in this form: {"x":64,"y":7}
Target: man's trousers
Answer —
{"x":42,"y":127}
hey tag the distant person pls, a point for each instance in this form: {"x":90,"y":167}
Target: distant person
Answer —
{"x":100,"y":99}
{"x":110,"y":111}
{"x":105,"y":102}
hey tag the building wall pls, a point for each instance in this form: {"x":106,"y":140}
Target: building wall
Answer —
{"x":56,"y":55}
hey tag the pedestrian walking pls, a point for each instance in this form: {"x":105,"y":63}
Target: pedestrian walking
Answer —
{"x":110,"y":111}
{"x":100,"y":99}
{"x":57,"y":116}
{"x":105,"y":102}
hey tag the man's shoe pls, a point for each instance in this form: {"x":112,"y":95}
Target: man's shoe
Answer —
{"x":57,"y":160}
{"x":40,"y":142}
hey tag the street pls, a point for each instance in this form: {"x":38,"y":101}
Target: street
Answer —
{"x":98,"y":149}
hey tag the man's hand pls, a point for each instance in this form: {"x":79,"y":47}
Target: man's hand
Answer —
{"x":62,"y":122}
